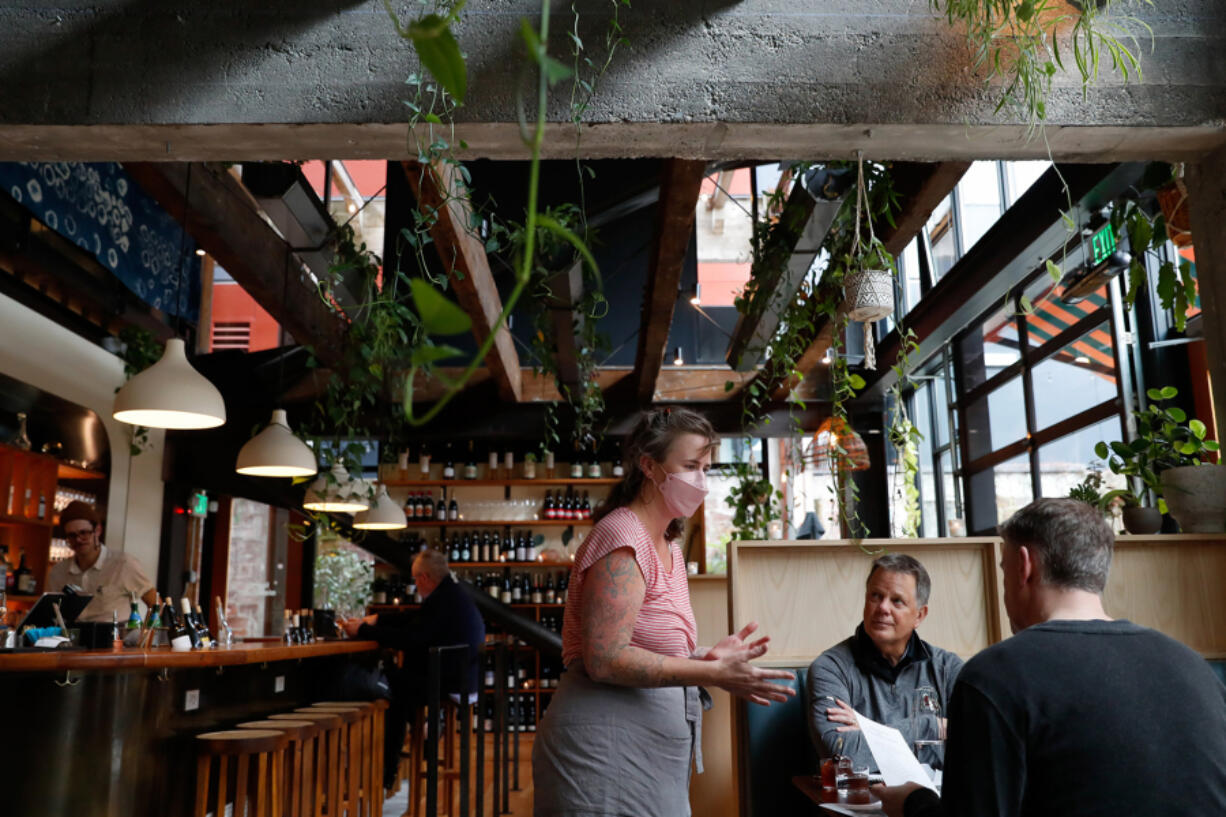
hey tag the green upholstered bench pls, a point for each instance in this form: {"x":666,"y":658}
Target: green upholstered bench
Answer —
{"x":778,"y":748}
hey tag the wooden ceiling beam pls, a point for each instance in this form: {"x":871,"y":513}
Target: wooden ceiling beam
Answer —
{"x":680,"y":184}
{"x":439,"y":191}
{"x":223,"y":221}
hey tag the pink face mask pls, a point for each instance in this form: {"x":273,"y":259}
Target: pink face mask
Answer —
{"x":683,"y":492}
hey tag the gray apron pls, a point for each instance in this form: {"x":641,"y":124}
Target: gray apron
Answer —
{"x":616,"y":751}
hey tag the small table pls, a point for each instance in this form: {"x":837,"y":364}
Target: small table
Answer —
{"x":811,"y":787}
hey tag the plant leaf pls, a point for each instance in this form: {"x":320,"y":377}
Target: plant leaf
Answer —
{"x":1198,"y":429}
{"x":1053,"y":270}
{"x":424,"y":355}
{"x":438,"y":315}
{"x":439,"y":52}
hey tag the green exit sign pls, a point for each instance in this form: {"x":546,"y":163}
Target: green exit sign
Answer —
{"x":1102,"y":244}
{"x":200,"y":504}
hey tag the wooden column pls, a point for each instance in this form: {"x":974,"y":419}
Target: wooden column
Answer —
{"x":1206,"y":182}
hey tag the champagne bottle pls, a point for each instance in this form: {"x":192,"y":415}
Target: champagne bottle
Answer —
{"x":188,"y":624}
{"x":180,"y":636}
{"x":202,"y":627}
{"x":134,"y":614}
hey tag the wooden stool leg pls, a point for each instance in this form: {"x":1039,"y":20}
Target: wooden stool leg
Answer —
{"x":223,"y":769}
{"x":306,"y":781}
{"x":202,"y":785}
{"x":240,"y":786}
{"x":275,"y":785}
{"x":376,"y":753}
{"x":261,"y":789}
{"x":334,"y":772}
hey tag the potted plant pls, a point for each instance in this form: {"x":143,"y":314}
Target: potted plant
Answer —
{"x":1168,"y":457}
{"x":530,"y":465}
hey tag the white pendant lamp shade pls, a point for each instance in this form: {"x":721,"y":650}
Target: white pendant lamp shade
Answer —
{"x":276,"y":452}
{"x":170,"y":394}
{"x":340,"y":493}
{"x":384,"y":514}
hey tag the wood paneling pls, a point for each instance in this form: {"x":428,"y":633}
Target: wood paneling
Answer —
{"x":713,"y":793}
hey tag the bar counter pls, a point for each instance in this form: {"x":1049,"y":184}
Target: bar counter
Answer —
{"x":157,"y":658}
{"x":89,"y":733}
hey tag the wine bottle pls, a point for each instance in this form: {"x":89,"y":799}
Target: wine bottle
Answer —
{"x":441,"y":513}
{"x":489,"y":671}
{"x":470,"y":466}
{"x":202,"y":627}
{"x":180,"y":636}
{"x":521,"y":551}
{"x":133,"y":614}
{"x":551,"y":596}
{"x":453,"y":511}
{"x":530,"y":713}
{"x":493,"y":464}
{"x":547,"y":510}
{"x":505,"y":597}
{"x":586,"y":508}
{"x":466,"y":550}
{"x":537,"y":596}
{"x":24,"y":580}
{"x":530,"y":546}
{"x":287,"y":631}
{"x":453,"y":550}
{"x":492,"y":587}
{"x":563,"y":587}
{"x":449,"y":468}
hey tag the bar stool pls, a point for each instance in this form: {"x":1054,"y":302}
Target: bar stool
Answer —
{"x":372,"y":771}
{"x":266,"y":747}
{"x":299,"y":775}
{"x":355,"y":745}
{"x":449,"y":762}
{"x":328,"y":758}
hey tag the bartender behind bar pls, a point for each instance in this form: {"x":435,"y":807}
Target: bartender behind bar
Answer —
{"x":109,"y":576}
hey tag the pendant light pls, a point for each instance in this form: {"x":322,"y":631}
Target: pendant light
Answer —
{"x":171,"y":393}
{"x":276,"y":452}
{"x":384,"y":514}
{"x":838,"y":446}
{"x":336,"y":492}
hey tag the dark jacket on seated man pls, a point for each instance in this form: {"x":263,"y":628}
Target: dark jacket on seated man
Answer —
{"x":1077,"y":714}
{"x":855,"y":671}
{"x":880,"y":670}
{"x":447,"y":616}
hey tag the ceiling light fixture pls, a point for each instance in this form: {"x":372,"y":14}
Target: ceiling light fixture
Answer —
{"x":384,"y":514}
{"x":678,"y":360}
{"x":276,"y":452}
{"x":335,"y":491}
{"x":171,"y":393}
{"x":200,"y":251}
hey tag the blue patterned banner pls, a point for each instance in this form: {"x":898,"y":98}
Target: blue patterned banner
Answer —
{"x":98,"y":207}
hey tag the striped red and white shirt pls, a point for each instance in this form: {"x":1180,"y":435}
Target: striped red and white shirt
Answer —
{"x":665,"y":624}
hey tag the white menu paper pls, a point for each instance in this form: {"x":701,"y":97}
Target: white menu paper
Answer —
{"x":894,"y":758}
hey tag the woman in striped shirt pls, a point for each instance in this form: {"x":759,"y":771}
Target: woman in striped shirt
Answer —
{"x":620,"y":733}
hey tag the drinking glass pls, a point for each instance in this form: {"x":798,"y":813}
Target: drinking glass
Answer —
{"x":926,"y":727}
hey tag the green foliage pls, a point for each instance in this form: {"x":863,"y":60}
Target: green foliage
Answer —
{"x":1089,"y":490}
{"x":1017,"y":44}
{"x":754,"y":501}
{"x":905,"y":437}
{"x":1165,"y":439}
{"x":342,"y":580}
{"x":1147,"y":237}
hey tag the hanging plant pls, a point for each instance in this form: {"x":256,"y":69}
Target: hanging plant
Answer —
{"x":754,"y":501}
{"x":869,"y":272}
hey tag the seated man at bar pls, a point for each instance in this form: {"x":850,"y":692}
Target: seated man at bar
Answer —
{"x":1077,"y":713}
{"x":883,"y":669}
{"x":447,"y":616}
{"x":110,"y":576}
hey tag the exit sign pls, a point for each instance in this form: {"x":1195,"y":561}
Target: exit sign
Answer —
{"x":1102,"y":244}
{"x":200,"y":504}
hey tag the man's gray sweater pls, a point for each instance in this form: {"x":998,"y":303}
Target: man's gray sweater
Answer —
{"x":855,"y":671}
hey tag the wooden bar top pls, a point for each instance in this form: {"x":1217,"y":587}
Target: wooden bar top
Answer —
{"x":157,"y":658}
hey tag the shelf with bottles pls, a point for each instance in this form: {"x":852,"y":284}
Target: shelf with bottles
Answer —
{"x":554,"y":508}
{"x":499,"y":482}
{"x":501,"y":523}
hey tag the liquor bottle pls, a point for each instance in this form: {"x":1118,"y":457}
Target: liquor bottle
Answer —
{"x":551,"y":595}
{"x":470,"y":466}
{"x":24,"y":581}
{"x":202,"y":627}
{"x":287,"y":631}
{"x":134,"y":614}
{"x":549,"y":464}
{"x":547,"y":510}
{"x":586,"y":507}
{"x":180,"y":636}
{"x":423,"y":462}
{"x":188,"y":624}
{"x":538,"y":596}
{"x":453,"y":511}
{"x":449,"y":468}
{"x":441,"y":512}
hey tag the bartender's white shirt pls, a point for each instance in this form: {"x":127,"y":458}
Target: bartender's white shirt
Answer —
{"x":110,"y":581}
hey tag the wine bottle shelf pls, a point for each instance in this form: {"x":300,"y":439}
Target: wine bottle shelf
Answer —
{"x":457,"y":483}
{"x":509,"y":523}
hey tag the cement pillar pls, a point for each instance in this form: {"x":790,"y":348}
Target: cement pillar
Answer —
{"x":1206,"y":182}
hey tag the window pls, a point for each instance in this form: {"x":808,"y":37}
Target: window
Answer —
{"x":943,"y":237}
{"x":1019,"y":176}
{"x":940,"y":497}
{"x":1067,"y":461}
{"x":1077,"y":376}
{"x":996,"y":419}
{"x":979,"y":200}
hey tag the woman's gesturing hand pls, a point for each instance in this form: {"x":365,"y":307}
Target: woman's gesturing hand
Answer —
{"x":740,"y":678}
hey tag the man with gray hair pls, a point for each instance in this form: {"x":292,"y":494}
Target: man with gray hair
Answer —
{"x":1076,"y":714}
{"x":883,"y":668}
{"x":447,"y":616}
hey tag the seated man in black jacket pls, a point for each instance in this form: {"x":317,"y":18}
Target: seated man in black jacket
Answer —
{"x":1076,"y":714}
{"x":447,"y":616}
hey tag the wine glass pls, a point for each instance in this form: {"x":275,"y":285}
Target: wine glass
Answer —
{"x":928,"y":740}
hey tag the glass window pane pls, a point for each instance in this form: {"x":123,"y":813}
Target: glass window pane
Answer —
{"x":1065,"y":462}
{"x":1051,"y":315}
{"x":993,"y":348}
{"x":1014,"y":491}
{"x":940,"y":424}
{"x":945,"y":463}
{"x":979,"y":201}
{"x":922,"y":418}
{"x":1019,"y":176}
{"x":910,"y":269}
{"x":1078,"y":376}
{"x":941,"y":237}
{"x":997,"y":419}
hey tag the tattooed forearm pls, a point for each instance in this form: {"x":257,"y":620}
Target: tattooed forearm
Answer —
{"x":613,"y":593}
